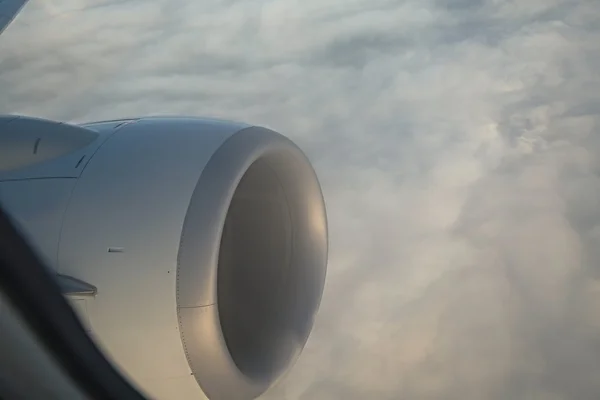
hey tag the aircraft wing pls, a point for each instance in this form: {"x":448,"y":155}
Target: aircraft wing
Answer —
{"x":8,"y":11}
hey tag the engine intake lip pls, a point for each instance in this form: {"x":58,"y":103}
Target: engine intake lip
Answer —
{"x":215,"y":308}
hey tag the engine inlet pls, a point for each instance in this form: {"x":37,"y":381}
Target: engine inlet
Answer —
{"x":263,"y":267}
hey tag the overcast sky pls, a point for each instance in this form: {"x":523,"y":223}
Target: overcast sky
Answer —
{"x":458,"y":146}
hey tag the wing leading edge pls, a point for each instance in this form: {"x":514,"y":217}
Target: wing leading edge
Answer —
{"x":8,"y":11}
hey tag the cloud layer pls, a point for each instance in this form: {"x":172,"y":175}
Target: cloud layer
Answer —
{"x":457,"y":142}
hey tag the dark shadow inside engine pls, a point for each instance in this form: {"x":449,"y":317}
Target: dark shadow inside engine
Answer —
{"x":256,"y":275}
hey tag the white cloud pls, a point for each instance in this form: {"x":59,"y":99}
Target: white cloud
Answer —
{"x":458,"y":147}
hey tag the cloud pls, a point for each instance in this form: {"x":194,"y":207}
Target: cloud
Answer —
{"x":458,"y":145}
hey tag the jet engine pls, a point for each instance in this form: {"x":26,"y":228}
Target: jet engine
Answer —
{"x":193,"y":250}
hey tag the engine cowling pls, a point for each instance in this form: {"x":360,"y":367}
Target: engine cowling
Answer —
{"x":205,"y":241}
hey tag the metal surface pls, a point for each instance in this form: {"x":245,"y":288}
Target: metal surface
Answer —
{"x":33,"y":148}
{"x":29,"y":141}
{"x":251,"y":264}
{"x":46,"y":352}
{"x":134,"y":195}
{"x":8,"y":11}
{"x":37,"y":207}
{"x":206,"y":241}
{"x":75,"y":287}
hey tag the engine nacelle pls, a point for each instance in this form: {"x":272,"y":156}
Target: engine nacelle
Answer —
{"x":205,"y":242}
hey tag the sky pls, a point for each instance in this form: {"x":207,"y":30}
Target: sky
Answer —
{"x":458,"y":146}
